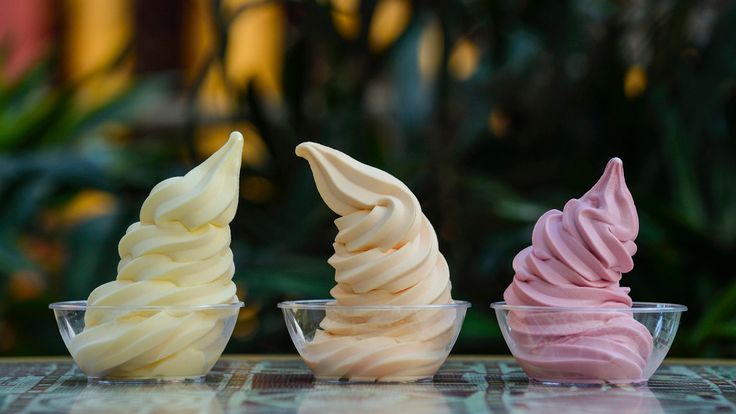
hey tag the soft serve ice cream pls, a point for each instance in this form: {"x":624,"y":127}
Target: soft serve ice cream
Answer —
{"x":177,"y":255}
{"x":576,"y":259}
{"x":386,"y":253}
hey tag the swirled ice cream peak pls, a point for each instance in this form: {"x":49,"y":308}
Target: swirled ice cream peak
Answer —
{"x":348,"y":186}
{"x":177,"y":254}
{"x":208,"y":194}
{"x":577,"y":255}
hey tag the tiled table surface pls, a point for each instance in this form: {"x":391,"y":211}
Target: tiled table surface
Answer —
{"x":268,"y":384}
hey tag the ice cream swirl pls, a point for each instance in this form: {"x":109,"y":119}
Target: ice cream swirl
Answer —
{"x":386,"y":253}
{"x":177,"y":254}
{"x":577,"y":259}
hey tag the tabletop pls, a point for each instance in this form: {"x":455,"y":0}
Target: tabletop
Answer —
{"x":283,"y":384}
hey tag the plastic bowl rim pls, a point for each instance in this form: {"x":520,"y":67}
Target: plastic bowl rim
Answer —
{"x":637,"y":307}
{"x":79,"y":305}
{"x":324,"y":304}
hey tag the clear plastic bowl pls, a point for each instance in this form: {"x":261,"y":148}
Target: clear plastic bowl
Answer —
{"x":397,"y":343}
{"x":589,"y":345}
{"x":145,"y":343}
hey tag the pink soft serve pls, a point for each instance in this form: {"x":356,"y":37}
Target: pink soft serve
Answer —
{"x":576,"y":259}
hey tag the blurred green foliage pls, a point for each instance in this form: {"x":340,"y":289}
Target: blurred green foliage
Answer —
{"x":558,"y":89}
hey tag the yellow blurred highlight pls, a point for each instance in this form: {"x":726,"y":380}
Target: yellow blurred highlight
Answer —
{"x":198,"y":36}
{"x":346,"y":17}
{"x":215,"y":98}
{"x":86,"y":205}
{"x":256,"y":189}
{"x":463,"y":60}
{"x":390,"y":19}
{"x":117,"y":133}
{"x":431,"y":47}
{"x":498,"y":123}
{"x":255,"y":49}
{"x":209,"y":138}
{"x":247,"y":322}
{"x":241,"y":291}
{"x":635,"y":81}
{"x":26,"y":284}
{"x":97,"y":34}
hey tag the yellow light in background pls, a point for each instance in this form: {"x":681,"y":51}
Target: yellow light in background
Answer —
{"x":635,"y":81}
{"x":215,"y":98}
{"x":247,"y":322}
{"x":463,"y":60}
{"x":346,"y":17}
{"x":255,"y":49}
{"x":254,"y":53}
{"x":431,"y":47}
{"x":97,"y":34}
{"x":199,"y":36}
{"x":241,"y":291}
{"x":389,"y":21}
{"x":86,"y":205}
{"x":256,"y":189}
{"x":209,"y":138}
{"x":498,"y":122}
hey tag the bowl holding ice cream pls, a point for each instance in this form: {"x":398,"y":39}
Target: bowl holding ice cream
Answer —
{"x":391,"y":317}
{"x":168,"y":343}
{"x":373,"y":343}
{"x":589,"y":345}
{"x":172,"y":307}
{"x":566,"y":318}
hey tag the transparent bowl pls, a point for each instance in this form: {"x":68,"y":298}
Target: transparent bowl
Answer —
{"x":397,"y":343}
{"x":145,"y":343}
{"x":589,"y":345}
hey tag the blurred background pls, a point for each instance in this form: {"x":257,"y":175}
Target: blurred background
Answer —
{"x":492,"y":112}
